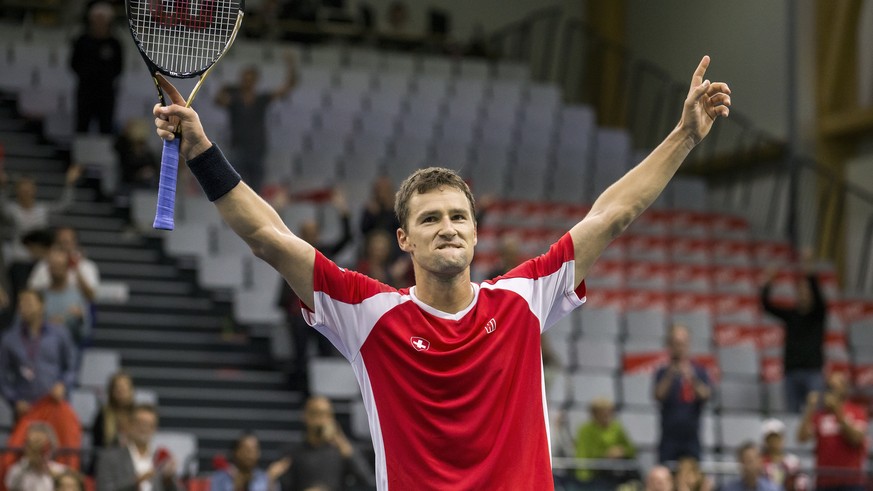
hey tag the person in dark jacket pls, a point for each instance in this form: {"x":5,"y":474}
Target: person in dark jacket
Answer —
{"x":804,"y":323}
{"x":97,"y":61}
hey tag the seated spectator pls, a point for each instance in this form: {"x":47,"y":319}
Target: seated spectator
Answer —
{"x":659,"y":479}
{"x":138,"y":465}
{"x":377,"y":264}
{"x":82,"y":271}
{"x":140,"y":166}
{"x":690,"y":478}
{"x":113,"y":420}
{"x":603,"y":438}
{"x":37,"y":358}
{"x":65,"y":302}
{"x":379,"y":212}
{"x":510,"y":256}
{"x":244,"y":475}
{"x":781,"y":467}
{"x":35,"y":471}
{"x":682,"y":387}
{"x":326,"y":458}
{"x":751,"y":477}
{"x":69,"y":481}
{"x":26,"y":214}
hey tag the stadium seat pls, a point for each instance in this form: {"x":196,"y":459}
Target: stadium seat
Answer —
{"x":360,"y":425}
{"x":735,"y":429}
{"x":145,"y":396}
{"x":473,"y":68}
{"x":641,"y":426}
{"x":220,"y":271}
{"x":646,"y":324}
{"x":741,"y":360}
{"x":597,"y":355}
{"x":559,"y":338}
{"x":7,"y":416}
{"x":637,"y":390}
{"x":600,"y":323}
{"x":739,"y":395}
{"x":96,"y":367}
{"x":332,"y":378}
{"x":585,"y":387}
{"x":85,"y":403}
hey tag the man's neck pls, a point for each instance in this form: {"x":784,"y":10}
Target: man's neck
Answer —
{"x":450,"y":295}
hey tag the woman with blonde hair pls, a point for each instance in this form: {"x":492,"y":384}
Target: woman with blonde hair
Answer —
{"x":114,"y":417}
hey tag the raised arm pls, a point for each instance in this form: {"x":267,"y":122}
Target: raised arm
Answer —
{"x":628,"y":197}
{"x":290,"y":81}
{"x":242,"y":209}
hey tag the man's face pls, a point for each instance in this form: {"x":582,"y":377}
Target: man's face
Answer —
{"x":679,"y":345}
{"x":29,"y":306}
{"x":750,"y":464}
{"x":25,"y":192}
{"x":36,"y":443}
{"x":838,"y":384}
{"x":774,"y":442}
{"x":143,"y":427}
{"x":248,"y":453}
{"x":317,"y":414}
{"x":659,"y":479}
{"x":65,"y":238}
{"x":58,"y":262}
{"x":440,"y":232}
{"x":248,"y":78}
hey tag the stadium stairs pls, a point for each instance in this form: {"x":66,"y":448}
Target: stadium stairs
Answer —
{"x":175,"y":339}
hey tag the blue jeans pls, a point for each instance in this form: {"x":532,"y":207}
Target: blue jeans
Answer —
{"x":798,"y":384}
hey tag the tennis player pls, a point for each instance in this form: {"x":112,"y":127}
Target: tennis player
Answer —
{"x":450,"y":370}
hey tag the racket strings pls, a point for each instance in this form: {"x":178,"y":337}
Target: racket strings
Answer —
{"x":183,"y":37}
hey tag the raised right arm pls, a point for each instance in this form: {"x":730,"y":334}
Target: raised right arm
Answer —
{"x":242,"y":209}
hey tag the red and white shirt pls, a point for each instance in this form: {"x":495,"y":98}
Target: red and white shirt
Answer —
{"x":454,"y":401}
{"x":834,"y":453}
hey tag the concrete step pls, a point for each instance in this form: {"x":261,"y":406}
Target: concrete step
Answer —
{"x":184,"y":359}
{"x":205,"y":378}
{"x":119,"y":316}
{"x":108,"y":253}
{"x":158,"y":286}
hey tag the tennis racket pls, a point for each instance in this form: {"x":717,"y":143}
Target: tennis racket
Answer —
{"x":180,"y":39}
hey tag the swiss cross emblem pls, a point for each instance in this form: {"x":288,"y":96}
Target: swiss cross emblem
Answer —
{"x":420,"y":344}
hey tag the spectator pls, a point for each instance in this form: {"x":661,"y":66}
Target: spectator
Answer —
{"x":804,"y":324}
{"x":751,"y":477}
{"x":397,"y":20}
{"x":326,"y":457}
{"x":138,"y":465}
{"x":839,"y":428}
{"x":301,"y":333}
{"x":37,"y":244}
{"x":689,"y":476}
{"x":780,"y":467}
{"x":659,"y":479}
{"x":26,"y":214}
{"x":82,"y":272}
{"x":244,"y":475}
{"x":69,"y":481}
{"x":681,"y":389}
{"x":35,"y":471}
{"x":140,"y":167}
{"x":247,"y":110}
{"x":603,"y":438}
{"x":65,"y":302}
{"x":97,"y":61}
{"x":113,"y":420}
{"x":510,"y":256}
{"x":379,"y":212}
{"x":377,"y":264}
{"x":36,"y":357}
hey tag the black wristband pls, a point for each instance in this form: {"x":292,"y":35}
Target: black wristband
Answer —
{"x":214,"y":173}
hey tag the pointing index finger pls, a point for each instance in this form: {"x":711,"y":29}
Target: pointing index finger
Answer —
{"x":697,"y":78}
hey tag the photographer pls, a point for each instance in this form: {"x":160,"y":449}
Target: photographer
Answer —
{"x":326,"y":457}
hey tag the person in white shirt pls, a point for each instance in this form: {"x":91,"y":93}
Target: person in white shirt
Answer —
{"x":83,"y":272}
{"x":138,"y":466}
{"x":35,"y":471}
{"x":26,"y":214}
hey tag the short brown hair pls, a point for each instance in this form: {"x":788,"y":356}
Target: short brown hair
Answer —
{"x":425,"y":180}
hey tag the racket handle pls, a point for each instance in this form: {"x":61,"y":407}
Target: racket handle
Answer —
{"x":167,"y":185}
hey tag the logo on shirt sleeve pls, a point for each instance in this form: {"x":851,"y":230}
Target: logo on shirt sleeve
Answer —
{"x":420,"y":344}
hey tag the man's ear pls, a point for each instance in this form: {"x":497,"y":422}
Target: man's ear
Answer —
{"x":403,"y":240}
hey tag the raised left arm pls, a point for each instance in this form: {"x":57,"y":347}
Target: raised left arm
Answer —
{"x":628,"y":197}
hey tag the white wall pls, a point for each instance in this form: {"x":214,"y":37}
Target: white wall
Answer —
{"x":746,"y":40}
{"x":492,"y":14}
